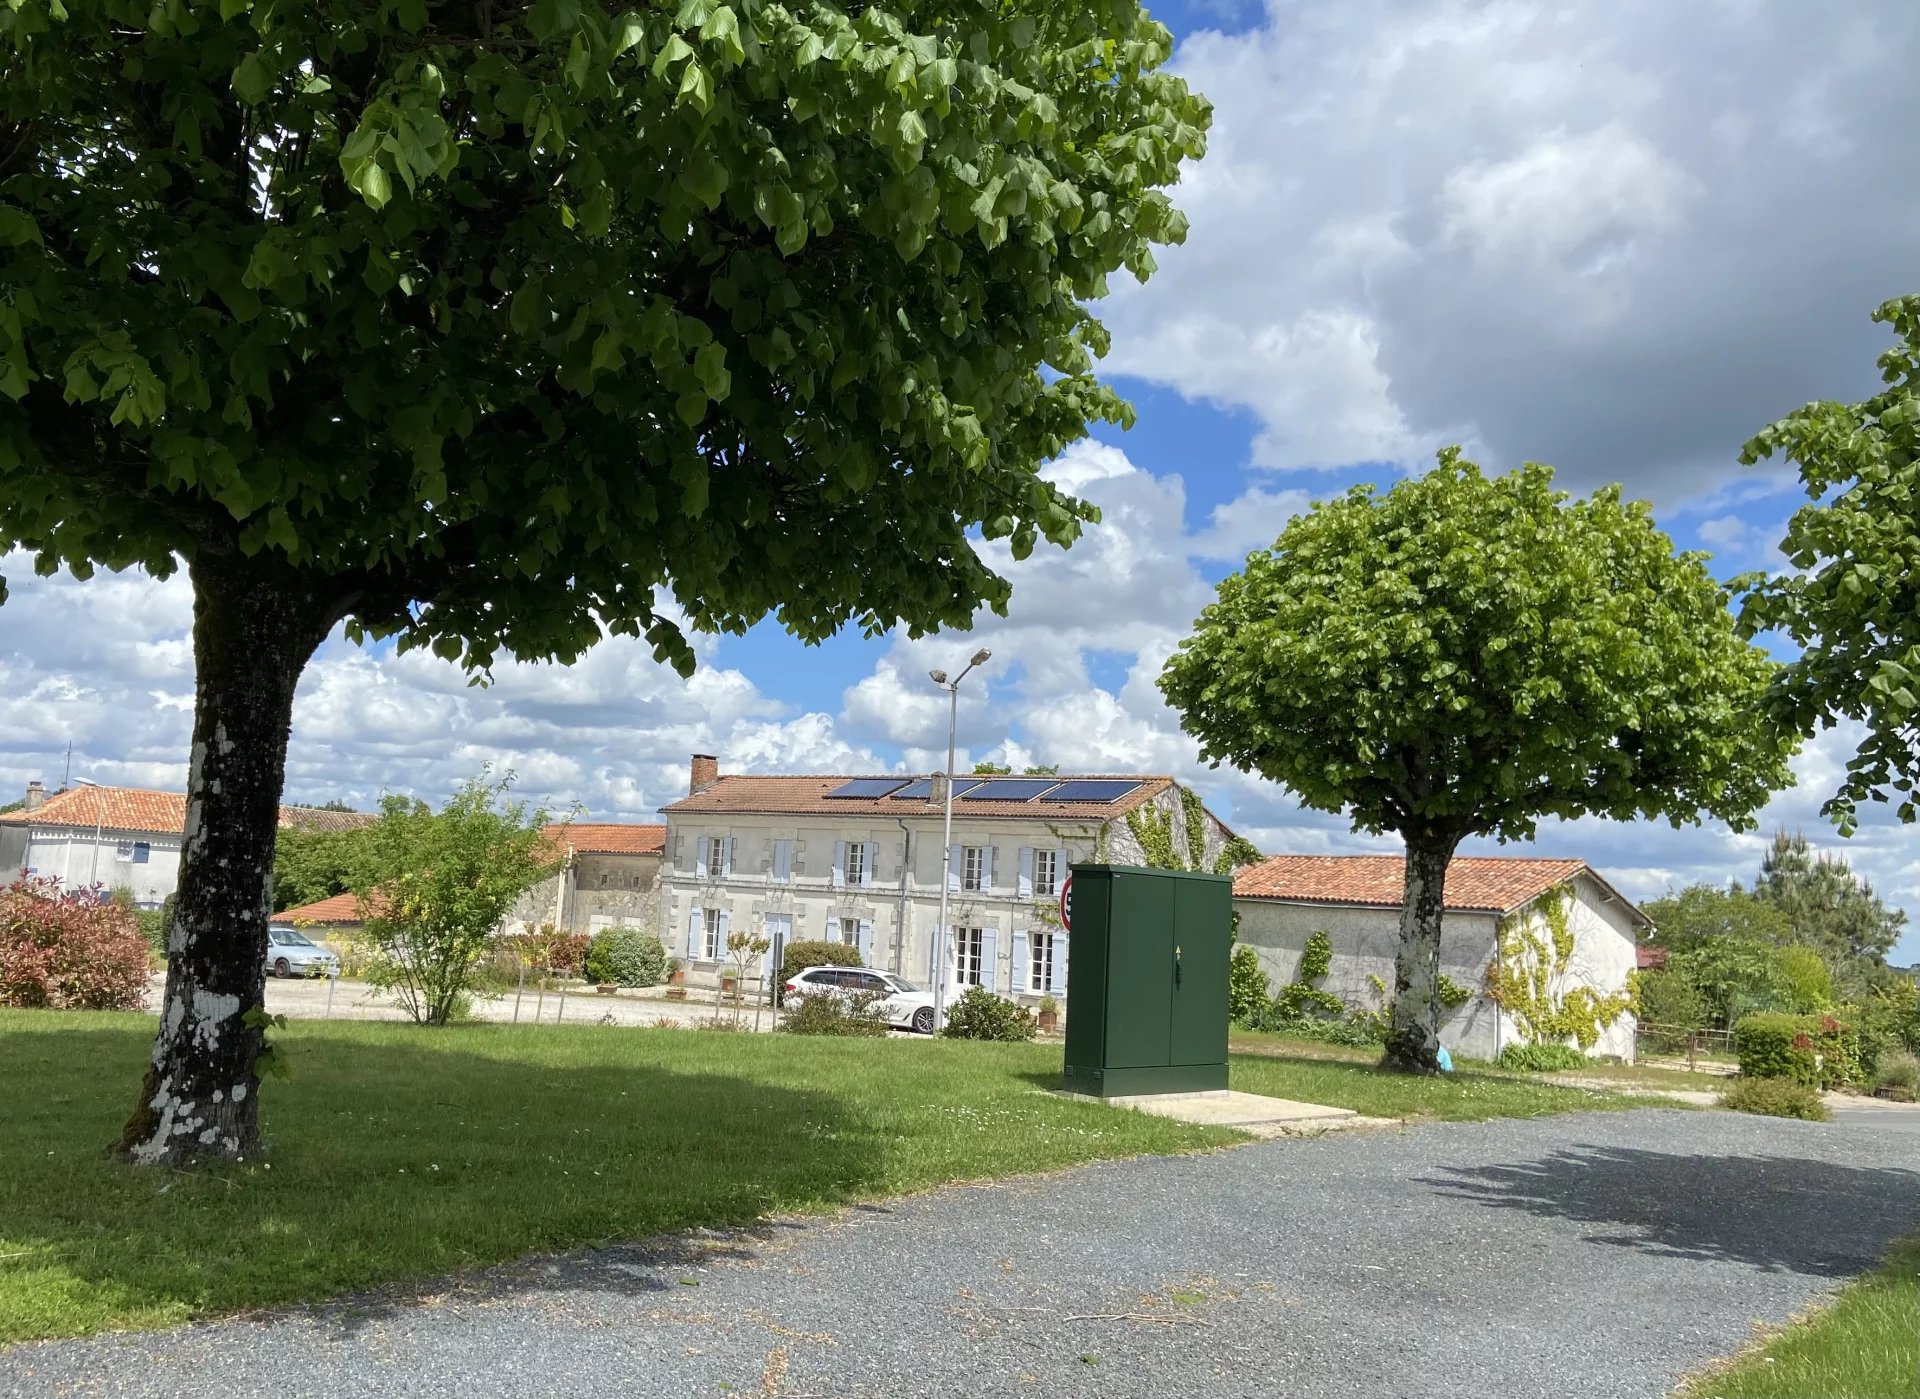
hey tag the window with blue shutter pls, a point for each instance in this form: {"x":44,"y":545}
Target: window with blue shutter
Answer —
{"x":839,"y":864}
{"x":1025,"y":885}
{"x":1018,"y":967}
{"x":782,"y":861}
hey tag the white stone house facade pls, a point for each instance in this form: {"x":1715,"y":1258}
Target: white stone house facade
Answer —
{"x":802,"y":858}
{"x":608,"y":876}
{"x":1356,"y":901}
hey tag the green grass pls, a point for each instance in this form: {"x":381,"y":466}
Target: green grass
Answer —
{"x":1864,"y":1346}
{"x":397,"y":1153}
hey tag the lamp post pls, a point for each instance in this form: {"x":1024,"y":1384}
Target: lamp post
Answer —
{"x":952,"y":687}
{"x":99,"y":819}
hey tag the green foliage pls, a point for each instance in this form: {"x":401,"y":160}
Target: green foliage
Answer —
{"x":798,"y":956}
{"x":1775,"y":1097}
{"x":1541,"y":1058}
{"x":1533,"y":977}
{"x":1704,"y":913}
{"x":1248,"y":991}
{"x":1238,"y":851}
{"x":435,"y":885}
{"x":1898,"y":1069}
{"x":1452,"y":994}
{"x":626,"y":956}
{"x":1195,"y":814}
{"x":1830,"y":909}
{"x":1153,"y":828}
{"x":1819,"y":1050}
{"x":1851,"y":605}
{"x":1300,"y":996}
{"x":1361,"y":1030}
{"x":1669,"y":1001}
{"x":310,"y":865}
{"x":1888,"y":1020}
{"x":981,"y":1015}
{"x":852,"y":1017}
{"x":1316,"y":958}
{"x":153,"y":926}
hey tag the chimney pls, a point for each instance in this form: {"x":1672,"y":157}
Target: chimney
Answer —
{"x":706,"y":772}
{"x":36,"y":796}
{"x":937,"y":791}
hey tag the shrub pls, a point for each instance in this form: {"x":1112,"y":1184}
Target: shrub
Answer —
{"x":1771,"y":1044}
{"x":801,"y":955}
{"x":153,"y":927}
{"x":1899,"y":1071}
{"x":981,"y":1015}
{"x":1247,"y":986}
{"x":65,"y":950}
{"x":1361,"y":1030}
{"x":549,"y":950}
{"x":626,"y":957}
{"x":835,"y":1015}
{"x":1541,"y":1058}
{"x":1775,"y":1097}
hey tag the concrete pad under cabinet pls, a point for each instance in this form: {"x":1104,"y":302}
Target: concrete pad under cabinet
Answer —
{"x":1251,"y":1113}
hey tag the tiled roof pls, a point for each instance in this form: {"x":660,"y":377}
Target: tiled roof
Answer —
{"x":609,"y":838}
{"x":1475,"y":883}
{"x":341,"y":908}
{"x":748,"y":795}
{"x":1649,"y":959}
{"x":157,"y":813}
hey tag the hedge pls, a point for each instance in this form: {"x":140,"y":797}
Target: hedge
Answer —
{"x":1819,"y":1051}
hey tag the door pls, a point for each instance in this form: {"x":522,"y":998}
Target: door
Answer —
{"x":1199,"y":1011}
{"x":1140,"y":1010}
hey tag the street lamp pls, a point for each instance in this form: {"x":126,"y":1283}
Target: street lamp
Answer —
{"x":99,"y":819}
{"x":952,"y":687}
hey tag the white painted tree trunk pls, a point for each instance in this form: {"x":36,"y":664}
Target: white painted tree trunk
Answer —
{"x":1413,"y":1041}
{"x":255,"y":624}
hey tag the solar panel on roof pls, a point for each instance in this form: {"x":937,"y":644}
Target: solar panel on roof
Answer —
{"x":1086,"y":790}
{"x":921,"y":789}
{"x":1010,"y":789}
{"x":867,"y":787}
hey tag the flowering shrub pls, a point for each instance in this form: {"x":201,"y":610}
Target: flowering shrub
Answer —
{"x":65,"y":950}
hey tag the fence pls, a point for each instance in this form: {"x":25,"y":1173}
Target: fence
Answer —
{"x":1695,"y":1042}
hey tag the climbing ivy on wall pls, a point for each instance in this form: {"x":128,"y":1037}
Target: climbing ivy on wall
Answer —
{"x":1316,"y":958}
{"x":1196,"y":815}
{"x":1153,"y":828}
{"x":1528,"y":979}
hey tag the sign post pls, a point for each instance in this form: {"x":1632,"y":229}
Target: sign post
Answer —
{"x":1066,"y":904}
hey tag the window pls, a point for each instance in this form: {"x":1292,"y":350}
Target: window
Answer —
{"x":850,"y":931}
{"x":1040,"y":962}
{"x":1046,"y":872}
{"x":973,"y":869}
{"x":141,"y":851}
{"x":713,"y":946}
{"x":716,"y":856}
{"x":123,"y":851}
{"x":969,"y":955}
{"x":856,"y":864}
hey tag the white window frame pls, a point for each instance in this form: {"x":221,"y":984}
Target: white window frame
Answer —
{"x":847,"y":931}
{"x":710,"y":936}
{"x":969,"y":956}
{"x":1046,"y":873}
{"x":856,"y":864}
{"x":716,"y":857}
{"x":973,"y":869}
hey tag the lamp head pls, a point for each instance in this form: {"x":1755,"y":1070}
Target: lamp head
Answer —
{"x":982,"y":656}
{"x":939,"y":677}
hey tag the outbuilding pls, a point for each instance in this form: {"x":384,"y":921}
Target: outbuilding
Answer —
{"x":1502,"y":916}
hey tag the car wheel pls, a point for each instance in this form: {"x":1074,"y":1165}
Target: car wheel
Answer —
{"x":923,"y":1020}
{"x":281,"y":967}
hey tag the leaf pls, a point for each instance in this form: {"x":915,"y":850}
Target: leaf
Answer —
{"x":705,"y":178}
{"x":692,"y":407}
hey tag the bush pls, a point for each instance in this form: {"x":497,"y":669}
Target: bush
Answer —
{"x":1899,"y":1071}
{"x":65,"y":950}
{"x":1247,"y":986}
{"x":801,"y":955}
{"x":1541,"y":1058}
{"x":153,"y":927}
{"x":626,"y":957}
{"x":1772,"y":1044}
{"x":981,"y":1015}
{"x":1775,"y":1097}
{"x":835,"y":1015}
{"x":549,"y":950}
{"x":1361,"y":1030}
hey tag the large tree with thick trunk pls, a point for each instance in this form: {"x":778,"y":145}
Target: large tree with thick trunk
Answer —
{"x":496,"y":327}
{"x":1464,"y":655}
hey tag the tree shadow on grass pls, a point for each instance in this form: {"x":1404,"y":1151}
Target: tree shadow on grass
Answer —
{"x":399,"y":1155}
{"x":1778,"y":1213}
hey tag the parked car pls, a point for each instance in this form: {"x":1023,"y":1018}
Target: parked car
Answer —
{"x":901,"y":1004}
{"x":291,"y":952}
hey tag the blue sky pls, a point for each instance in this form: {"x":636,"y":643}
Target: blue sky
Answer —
{"x":1618,"y":239}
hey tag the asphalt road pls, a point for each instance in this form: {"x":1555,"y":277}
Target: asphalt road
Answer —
{"x":1600,"y":1255}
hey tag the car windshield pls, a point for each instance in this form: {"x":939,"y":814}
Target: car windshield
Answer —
{"x":900,"y":983}
{"x":287,"y":937}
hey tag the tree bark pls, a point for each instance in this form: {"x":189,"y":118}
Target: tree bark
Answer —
{"x":256,"y":622}
{"x":1413,"y":1041}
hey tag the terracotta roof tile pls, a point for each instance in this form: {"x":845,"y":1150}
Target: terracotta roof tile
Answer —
{"x":1475,"y":883}
{"x":341,"y":908}
{"x":157,"y":813}
{"x":748,"y":795}
{"x":609,"y":838}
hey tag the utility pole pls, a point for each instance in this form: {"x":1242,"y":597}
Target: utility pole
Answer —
{"x":939,"y":677}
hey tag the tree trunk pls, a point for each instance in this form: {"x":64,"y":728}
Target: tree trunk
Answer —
{"x":1413,"y":1042}
{"x":255,"y":624}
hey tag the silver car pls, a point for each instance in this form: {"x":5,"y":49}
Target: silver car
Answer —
{"x":291,"y":952}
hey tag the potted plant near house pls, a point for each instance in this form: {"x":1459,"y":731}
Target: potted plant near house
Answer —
{"x":1049,"y":1015}
{"x":676,"y":980}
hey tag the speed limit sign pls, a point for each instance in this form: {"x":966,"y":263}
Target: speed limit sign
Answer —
{"x":1066,"y":904}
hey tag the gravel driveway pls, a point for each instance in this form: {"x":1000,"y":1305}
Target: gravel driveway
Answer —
{"x":1599,"y":1255}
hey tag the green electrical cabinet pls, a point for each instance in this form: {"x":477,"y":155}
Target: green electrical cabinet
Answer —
{"x":1147,"y":981}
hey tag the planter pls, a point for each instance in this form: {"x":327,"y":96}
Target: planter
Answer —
{"x":606,"y":988}
{"x":1049,"y":1021}
{"x":729,"y":985}
{"x":676,"y":992}
{"x":677,"y":977}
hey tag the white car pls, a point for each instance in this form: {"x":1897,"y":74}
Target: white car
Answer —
{"x":902,"y":1005}
{"x":291,"y":952}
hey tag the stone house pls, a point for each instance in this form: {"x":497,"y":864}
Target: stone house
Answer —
{"x":609,"y":875}
{"x":1356,"y":901}
{"x":860,"y":860}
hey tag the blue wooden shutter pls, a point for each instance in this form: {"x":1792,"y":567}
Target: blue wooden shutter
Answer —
{"x":726,"y":858}
{"x":1018,"y":965}
{"x":839,"y":864}
{"x":955,"y":854}
{"x":1058,"y":985}
{"x":720,"y":939}
{"x":700,"y":858}
{"x":782,"y":861}
{"x":1025,"y":886}
{"x":990,"y":959}
{"x":866,"y":941}
{"x":986,"y":868}
{"x":696,"y":927}
{"x":866,"y":865}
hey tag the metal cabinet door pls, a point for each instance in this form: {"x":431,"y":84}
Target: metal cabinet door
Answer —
{"x":1140,"y":974}
{"x":1204,"y":931}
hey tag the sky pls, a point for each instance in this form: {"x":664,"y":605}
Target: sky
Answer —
{"x":1616,"y":238}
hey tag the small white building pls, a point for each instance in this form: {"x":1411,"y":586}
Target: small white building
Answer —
{"x":118,"y":837}
{"x":609,"y":876}
{"x":1356,"y":901}
{"x":860,"y":860}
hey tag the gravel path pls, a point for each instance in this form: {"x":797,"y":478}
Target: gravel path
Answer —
{"x":1600,"y":1255}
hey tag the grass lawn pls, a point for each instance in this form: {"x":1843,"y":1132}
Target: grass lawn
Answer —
{"x":1653,"y":1076}
{"x":1865,"y":1346}
{"x":403,"y":1153}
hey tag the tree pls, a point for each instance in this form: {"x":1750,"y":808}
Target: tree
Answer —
{"x":493,"y":328}
{"x":1852,"y":601}
{"x":1465,"y":655}
{"x":1702,"y":913}
{"x":310,"y":865}
{"x":1831,"y":910}
{"x":433,"y":887}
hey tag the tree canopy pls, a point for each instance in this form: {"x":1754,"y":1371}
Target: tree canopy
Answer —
{"x":1464,"y":655}
{"x":1852,"y":599}
{"x":496,"y":328}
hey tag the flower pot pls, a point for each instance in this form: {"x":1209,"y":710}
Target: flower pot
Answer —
{"x":676,"y":992}
{"x":678,"y":977}
{"x":606,"y":988}
{"x":1049,"y":1021}
{"x":729,"y":984}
